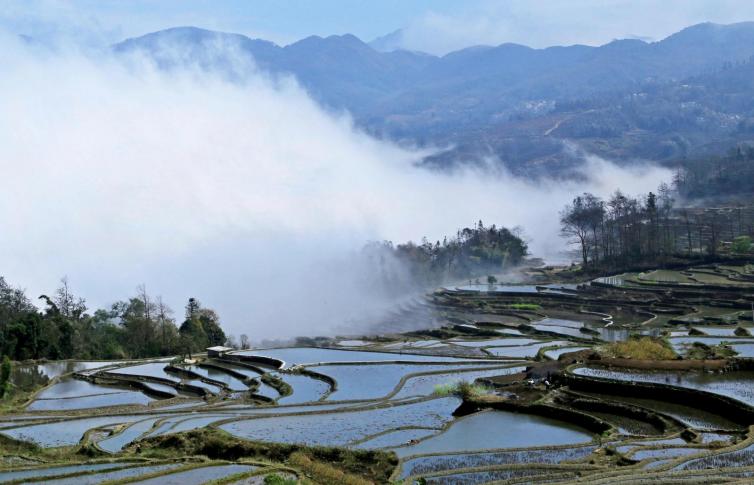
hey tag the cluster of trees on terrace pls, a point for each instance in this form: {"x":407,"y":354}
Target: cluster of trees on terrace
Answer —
{"x":622,"y":230}
{"x":625,"y":231}
{"x":142,"y":326}
{"x":473,"y":251}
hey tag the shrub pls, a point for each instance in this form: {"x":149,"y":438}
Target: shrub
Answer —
{"x":741,"y":244}
{"x":462,"y":389}
{"x":444,"y":389}
{"x":642,"y":348}
{"x":275,"y":479}
{"x":323,"y":472}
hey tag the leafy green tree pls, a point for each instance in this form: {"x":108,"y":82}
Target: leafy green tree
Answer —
{"x":201,"y":328}
{"x":741,"y":244}
{"x":193,"y":337}
{"x":211,"y":326}
{"x":14,"y":304}
{"x":139,"y":327}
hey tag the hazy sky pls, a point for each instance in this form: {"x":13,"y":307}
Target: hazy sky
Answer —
{"x":248,"y":195}
{"x":435,"y":26}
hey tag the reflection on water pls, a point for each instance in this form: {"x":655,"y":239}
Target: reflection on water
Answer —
{"x":28,"y":377}
{"x":217,"y":375}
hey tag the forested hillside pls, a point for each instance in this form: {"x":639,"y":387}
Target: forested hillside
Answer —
{"x":726,"y":177}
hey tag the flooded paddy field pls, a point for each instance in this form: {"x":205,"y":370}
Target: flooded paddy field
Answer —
{"x":305,"y":389}
{"x":692,"y":417}
{"x":198,"y":476}
{"x":365,"y":382}
{"x":313,"y":355}
{"x":510,"y":385}
{"x":483,"y":476}
{"x":69,"y":387}
{"x":30,"y":376}
{"x":470,"y":434}
{"x":43,"y":472}
{"x":345,"y":427}
{"x":152,"y":369}
{"x":132,"y":472}
{"x":524,"y":351}
{"x":124,"y":398}
{"x":736,"y":384}
{"x":436,"y":463}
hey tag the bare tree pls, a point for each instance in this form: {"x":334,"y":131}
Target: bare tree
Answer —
{"x":232,"y":342}
{"x":579,"y":220}
{"x":245,"y":342}
{"x":144,"y":297}
{"x":67,"y":304}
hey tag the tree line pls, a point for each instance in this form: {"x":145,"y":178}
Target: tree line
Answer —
{"x":64,"y":328}
{"x":625,"y":231}
{"x":621,"y":230}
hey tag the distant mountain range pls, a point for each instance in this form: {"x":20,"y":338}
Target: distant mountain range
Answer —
{"x":684,"y":96}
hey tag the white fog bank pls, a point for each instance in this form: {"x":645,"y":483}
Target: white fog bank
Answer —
{"x":247,"y":196}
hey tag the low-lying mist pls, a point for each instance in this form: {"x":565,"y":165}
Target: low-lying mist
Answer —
{"x":245,"y":194}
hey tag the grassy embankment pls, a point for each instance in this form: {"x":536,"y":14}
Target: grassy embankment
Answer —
{"x":319,"y":464}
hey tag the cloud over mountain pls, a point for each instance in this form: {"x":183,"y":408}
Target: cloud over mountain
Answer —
{"x":239,"y":190}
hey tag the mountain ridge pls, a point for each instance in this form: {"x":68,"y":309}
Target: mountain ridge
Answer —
{"x":479,"y":97}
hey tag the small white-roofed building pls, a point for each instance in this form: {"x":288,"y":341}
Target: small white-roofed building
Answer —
{"x":217,"y":351}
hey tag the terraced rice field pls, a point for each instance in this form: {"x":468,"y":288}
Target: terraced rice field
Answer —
{"x":414,"y":395}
